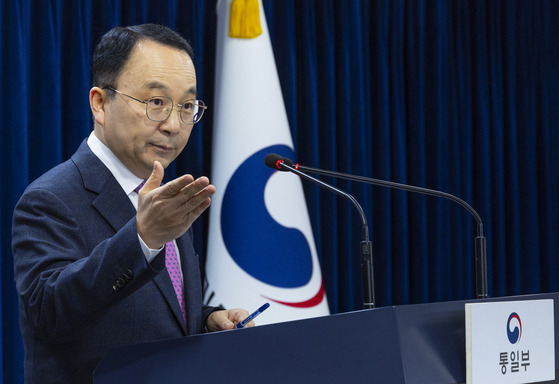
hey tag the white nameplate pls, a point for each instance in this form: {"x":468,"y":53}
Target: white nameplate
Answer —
{"x":510,"y":342}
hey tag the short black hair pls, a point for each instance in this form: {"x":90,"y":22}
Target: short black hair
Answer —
{"x":113,"y":50}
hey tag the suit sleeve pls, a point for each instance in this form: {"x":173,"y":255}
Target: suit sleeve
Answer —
{"x":63,"y":285}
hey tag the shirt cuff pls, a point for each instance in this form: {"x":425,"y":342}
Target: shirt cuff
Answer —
{"x":148,"y":252}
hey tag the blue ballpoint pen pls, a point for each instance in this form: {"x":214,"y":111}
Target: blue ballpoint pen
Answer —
{"x":252,"y":316}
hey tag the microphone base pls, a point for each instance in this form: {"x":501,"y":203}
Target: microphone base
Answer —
{"x":481,"y":267}
{"x":367,"y":273}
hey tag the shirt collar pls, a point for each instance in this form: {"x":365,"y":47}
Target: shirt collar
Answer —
{"x":127,"y":180}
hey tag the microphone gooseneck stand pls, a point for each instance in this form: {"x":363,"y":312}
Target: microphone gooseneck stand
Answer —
{"x":480,"y":240}
{"x":367,"y":273}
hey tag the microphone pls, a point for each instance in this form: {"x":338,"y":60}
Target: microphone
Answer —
{"x":283,"y":164}
{"x":480,"y":240}
{"x":275,"y":161}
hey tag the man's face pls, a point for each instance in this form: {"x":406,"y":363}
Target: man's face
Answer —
{"x":152,"y":70}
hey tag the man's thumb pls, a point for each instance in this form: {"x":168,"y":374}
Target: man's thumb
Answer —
{"x":156,"y":177}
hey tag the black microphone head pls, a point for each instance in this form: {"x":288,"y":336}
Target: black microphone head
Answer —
{"x":274,"y":161}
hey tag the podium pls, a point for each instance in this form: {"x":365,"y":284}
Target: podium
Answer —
{"x":419,"y":343}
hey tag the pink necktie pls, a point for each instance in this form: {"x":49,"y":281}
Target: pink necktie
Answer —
{"x":172,"y":265}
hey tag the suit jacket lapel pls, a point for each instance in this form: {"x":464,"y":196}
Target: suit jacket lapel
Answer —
{"x":114,"y":205}
{"x":111,"y":201}
{"x":193,"y":285}
{"x":163,"y":281}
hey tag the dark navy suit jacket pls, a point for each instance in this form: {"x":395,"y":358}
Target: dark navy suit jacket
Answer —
{"x":84,"y":284}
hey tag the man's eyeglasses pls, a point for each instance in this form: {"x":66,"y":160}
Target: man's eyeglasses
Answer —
{"x":159,"y":108}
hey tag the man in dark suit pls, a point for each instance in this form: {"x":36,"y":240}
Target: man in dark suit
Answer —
{"x":91,"y":250}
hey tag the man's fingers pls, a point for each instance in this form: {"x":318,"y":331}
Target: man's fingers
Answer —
{"x":191,"y":192}
{"x":195,"y":189}
{"x":196,"y":185}
{"x":173,"y":188}
{"x":192,"y":213}
{"x":200,"y":201}
{"x":154,"y":180}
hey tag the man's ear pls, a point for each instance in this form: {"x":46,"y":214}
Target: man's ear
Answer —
{"x":97,"y":101}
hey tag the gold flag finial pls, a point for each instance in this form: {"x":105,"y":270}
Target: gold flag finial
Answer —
{"x":244,"y":20}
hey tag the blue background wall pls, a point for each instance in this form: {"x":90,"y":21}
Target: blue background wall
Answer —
{"x":458,"y":96}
